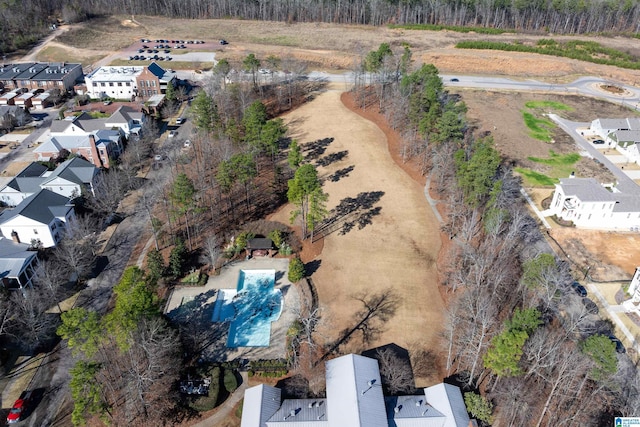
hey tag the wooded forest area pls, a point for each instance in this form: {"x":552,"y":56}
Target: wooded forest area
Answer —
{"x":23,"y":23}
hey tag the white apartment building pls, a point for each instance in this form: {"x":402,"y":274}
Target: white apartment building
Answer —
{"x":113,"y":82}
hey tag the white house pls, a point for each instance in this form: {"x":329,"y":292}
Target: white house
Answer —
{"x":24,"y":184}
{"x":126,"y":119}
{"x":113,"y":82}
{"x":69,"y":179}
{"x":355,"y":399}
{"x":590,"y":205}
{"x":605,"y":127}
{"x":622,"y":134}
{"x":41,"y":217}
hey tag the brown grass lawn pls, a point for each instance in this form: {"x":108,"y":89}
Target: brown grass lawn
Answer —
{"x":396,"y":251}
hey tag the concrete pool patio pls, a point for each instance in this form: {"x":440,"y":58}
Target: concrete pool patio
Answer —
{"x":192,"y":309}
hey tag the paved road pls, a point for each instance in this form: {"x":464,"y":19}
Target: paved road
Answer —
{"x":586,"y":86}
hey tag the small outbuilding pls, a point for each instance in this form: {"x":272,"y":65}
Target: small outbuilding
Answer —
{"x":260,"y":246}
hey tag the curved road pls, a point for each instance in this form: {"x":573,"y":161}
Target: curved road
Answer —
{"x":585,"y":86}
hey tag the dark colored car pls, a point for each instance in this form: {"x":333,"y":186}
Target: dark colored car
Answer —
{"x":598,"y":141}
{"x":619,"y":346}
{"x":455,"y":80}
{"x":20,"y":405}
{"x":580,"y":290}
{"x":223,"y":42}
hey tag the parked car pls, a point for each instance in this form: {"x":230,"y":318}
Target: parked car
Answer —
{"x":579,"y":289}
{"x":173,"y":133}
{"x":455,"y":80}
{"x":19,"y":406}
{"x":619,"y":346}
{"x":180,"y":120}
{"x":598,"y":141}
{"x":223,"y":42}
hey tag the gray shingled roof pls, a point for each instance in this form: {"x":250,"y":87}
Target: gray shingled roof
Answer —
{"x":629,"y":123}
{"x":32,"y":170}
{"x":411,"y":407}
{"x":586,"y":189}
{"x":13,"y":257}
{"x":43,"y":207}
{"x":300,"y":410}
{"x":76,"y":170}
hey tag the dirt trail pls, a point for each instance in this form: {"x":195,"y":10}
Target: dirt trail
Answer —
{"x":396,"y":250}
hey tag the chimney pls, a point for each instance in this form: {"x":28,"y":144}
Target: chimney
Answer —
{"x":14,"y":236}
{"x":97,"y":161}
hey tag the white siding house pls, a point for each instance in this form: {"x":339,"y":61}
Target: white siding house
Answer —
{"x":590,"y":205}
{"x":355,"y":399}
{"x":41,"y":218}
{"x":69,"y":179}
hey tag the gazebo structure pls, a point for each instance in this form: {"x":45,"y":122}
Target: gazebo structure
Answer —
{"x":260,"y":246}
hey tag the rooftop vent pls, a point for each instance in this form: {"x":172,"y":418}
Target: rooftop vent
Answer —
{"x":397,"y":409}
{"x":425,"y":412}
{"x":312,"y":404}
{"x":418,"y":402}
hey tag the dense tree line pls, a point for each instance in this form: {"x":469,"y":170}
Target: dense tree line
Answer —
{"x":513,"y":329}
{"x":27,"y":21}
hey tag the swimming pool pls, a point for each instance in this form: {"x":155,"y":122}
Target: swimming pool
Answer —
{"x":251,"y":307}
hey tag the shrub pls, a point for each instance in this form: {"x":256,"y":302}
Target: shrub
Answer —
{"x":242,"y":240}
{"x":276,"y":237}
{"x":155,"y":264}
{"x":296,"y":270}
{"x":230,"y":380}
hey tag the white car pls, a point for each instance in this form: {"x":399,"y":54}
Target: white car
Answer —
{"x":173,"y":133}
{"x":180,"y":120}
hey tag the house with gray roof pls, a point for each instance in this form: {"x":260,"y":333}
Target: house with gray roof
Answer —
{"x":355,"y":399}
{"x":40,"y":75}
{"x":621,"y":134}
{"x":126,"y":119}
{"x":588,"y":204}
{"x":17,"y":264}
{"x":41,"y":218}
{"x":69,"y":179}
{"x":99,"y":147}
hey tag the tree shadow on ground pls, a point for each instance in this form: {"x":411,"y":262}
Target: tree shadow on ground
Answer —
{"x":332,"y":158}
{"x":315,"y":149}
{"x":350,"y":212}
{"x":312,"y":266}
{"x":339,"y":174}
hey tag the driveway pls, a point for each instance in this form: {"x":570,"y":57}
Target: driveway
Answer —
{"x":625,"y":183}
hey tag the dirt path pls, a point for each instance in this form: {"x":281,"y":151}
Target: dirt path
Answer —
{"x":395,"y":251}
{"x":31,"y":56}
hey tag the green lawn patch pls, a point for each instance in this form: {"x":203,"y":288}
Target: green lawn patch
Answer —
{"x":532,"y":178}
{"x":539,"y":129}
{"x":561,"y":166}
{"x":548,"y":104}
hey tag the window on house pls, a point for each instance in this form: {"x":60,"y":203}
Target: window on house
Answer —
{"x":128,"y":84}
{"x":111,"y":84}
{"x":60,"y":188}
{"x":35,"y":231}
{"x":153,"y":83}
{"x":102,"y":152}
{"x":120,"y":84}
{"x":102,"y":84}
{"x":94,"y":84}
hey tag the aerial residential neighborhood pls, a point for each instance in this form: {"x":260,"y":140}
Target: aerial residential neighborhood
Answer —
{"x":339,"y":215}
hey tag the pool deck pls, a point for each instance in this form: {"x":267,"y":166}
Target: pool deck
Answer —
{"x":199,"y":302}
